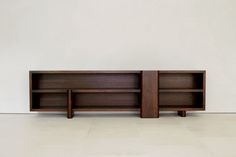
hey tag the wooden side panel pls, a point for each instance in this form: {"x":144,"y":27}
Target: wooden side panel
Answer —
{"x":149,"y":108}
{"x":204,"y":90}
{"x":30,"y":91}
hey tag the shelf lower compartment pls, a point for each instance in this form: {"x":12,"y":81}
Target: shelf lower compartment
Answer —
{"x":174,"y":101}
{"x":86,"y":101}
{"x":103,"y":100}
{"x":49,"y":101}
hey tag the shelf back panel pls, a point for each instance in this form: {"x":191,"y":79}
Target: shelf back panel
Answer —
{"x":106,"y":100}
{"x":181,"y":81}
{"x":42,"y":100}
{"x":86,"y":81}
{"x":181,"y":99}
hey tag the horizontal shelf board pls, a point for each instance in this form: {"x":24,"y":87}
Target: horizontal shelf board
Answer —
{"x":179,"y":108}
{"x":106,"y":109}
{"x":50,"y":91}
{"x":181,"y":71}
{"x":87,"y":72}
{"x":64,"y":109}
{"x":180,"y":90}
{"x":106,"y":91}
{"x":87,"y":91}
{"x":49,"y":109}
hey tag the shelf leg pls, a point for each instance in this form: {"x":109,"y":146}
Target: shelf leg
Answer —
{"x":70,"y":112}
{"x":182,"y":113}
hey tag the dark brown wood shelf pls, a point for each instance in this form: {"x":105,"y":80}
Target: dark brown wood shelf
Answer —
{"x":144,"y":91}
{"x":87,"y":72}
{"x":48,"y":108}
{"x":181,"y":71}
{"x":180,"y":90}
{"x":106,"y":108}
{"x":106,"y":90}
{"x":49,"y":91}
{"x":180,"y":108}
{"x":87,"y":90}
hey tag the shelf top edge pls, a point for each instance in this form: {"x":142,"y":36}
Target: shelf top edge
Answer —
{"x":87,"y":90}
{"x":181,"y":90}
{"x":181,"y":71}
{"x":84,"y":71}
{"x":110,"y":71}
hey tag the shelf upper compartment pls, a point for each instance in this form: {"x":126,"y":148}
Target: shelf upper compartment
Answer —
{"x":181,"y":80}
{"x":85,"y":80}
{"x":180,"y":90}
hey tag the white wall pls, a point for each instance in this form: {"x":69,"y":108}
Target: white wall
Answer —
{"x":117,"y":34}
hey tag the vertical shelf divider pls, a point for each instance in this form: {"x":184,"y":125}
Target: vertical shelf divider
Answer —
{"x":70,"y":112}
{"x":149,"y":106}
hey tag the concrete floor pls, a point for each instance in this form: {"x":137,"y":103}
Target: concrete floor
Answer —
{"x":119,"y":135}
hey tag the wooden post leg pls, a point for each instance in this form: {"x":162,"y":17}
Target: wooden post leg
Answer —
{"x":182,"y":113}
{"x":70,"y":112}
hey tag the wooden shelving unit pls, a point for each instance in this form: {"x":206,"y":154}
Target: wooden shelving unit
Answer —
{"x":85,"y":91}
{"x":144,"y":91}
{"x":181,"y":91}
